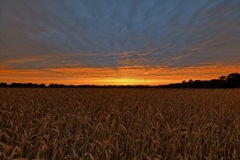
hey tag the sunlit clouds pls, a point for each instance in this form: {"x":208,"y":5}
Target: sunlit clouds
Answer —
{"x":118,"y":42}
{"x":128,"y":75}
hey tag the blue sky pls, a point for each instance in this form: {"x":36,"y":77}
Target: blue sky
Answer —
{"x":41,"y":34}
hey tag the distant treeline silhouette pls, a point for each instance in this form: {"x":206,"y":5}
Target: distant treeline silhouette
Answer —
{"x":230,"y":81}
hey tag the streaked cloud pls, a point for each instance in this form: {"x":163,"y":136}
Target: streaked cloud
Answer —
{"x":173,"y":35}
{"x":124,"y":75}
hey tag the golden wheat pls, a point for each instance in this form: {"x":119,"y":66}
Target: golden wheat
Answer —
{"x":120,"y":123}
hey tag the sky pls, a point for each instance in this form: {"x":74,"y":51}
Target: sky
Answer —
{"x":118,"y":42}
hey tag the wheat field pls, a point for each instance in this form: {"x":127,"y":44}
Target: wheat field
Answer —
{"x":119,"y":123}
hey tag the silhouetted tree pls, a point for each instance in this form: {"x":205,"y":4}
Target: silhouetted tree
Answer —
{"x":233,"y":80}
{"x":215,"y":83}
{"x":3,"y":84}
{"x":222,"y":81}
{"x":190,"y":81}
{"x":52,"y":85}
{"x":196,"y":84}
{"x":184,"y":84}
{"x":222,"y":78}
{"x":14,"y":84}
{"x":42,"y":85}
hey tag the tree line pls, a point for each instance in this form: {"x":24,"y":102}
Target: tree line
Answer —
{"x":230,"y":81}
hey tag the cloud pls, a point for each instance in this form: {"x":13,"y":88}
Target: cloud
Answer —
{"x":124,"y":75}
{"x":77,"y":33}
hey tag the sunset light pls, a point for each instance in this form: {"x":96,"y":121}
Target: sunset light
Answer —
{"x":127,"y":75}
{"x":127,"y":81}
{"x":119,"y":79}
{"x":142,"y":43}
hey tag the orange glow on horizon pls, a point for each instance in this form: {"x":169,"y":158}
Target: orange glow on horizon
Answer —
{"x":125,"y":75}
{"x":128,"y":81}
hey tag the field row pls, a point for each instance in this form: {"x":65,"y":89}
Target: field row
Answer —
{"x":120,"y":123}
